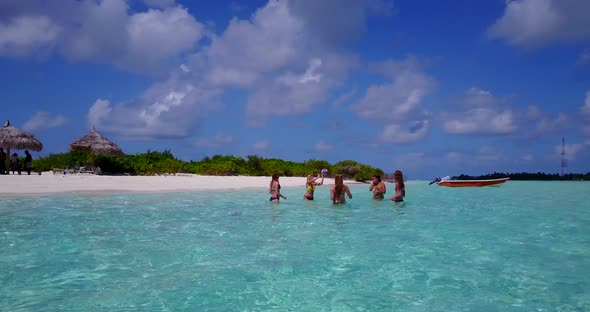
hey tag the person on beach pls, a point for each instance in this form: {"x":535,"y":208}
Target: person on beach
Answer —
{"x":311,"y":184}
{"x":3,"y":161}
{"x":28,"y":162}
{"x":377,"y":187}
{"x":14,"y":163}
{"x":275,"y":189}
{"x":338,"y":190}
{"x":400,"y":187}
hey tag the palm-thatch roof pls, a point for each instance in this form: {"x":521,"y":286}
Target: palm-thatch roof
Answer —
{"x":13,"y":138}
{"x":96,"y":143}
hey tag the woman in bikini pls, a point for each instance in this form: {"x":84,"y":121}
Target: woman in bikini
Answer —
{"x":275,"y":189}
{"x":338,"y":190}
{"x":400,"y":187}
{"x":377,"y":187}
{"x":311,"y":184}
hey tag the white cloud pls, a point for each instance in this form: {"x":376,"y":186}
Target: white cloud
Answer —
{"x":571,"y":150}
{"x":158,"y":35}
{"x":481,"y":113}
{"x":584,"y":57}
{"x":170,"y":109}
{"x":260,"y":145}
{"x":269,"y":56}
{"x":476,"y":97}
{"x":184,"y":68}
{"x":99,"y":110}
{"x":528,"y":157}
{"x":338,"y":22}
{"x":344,"y":98}
{"x":323,"y":146}
{"x":537,"y":23}
{"x":248,"y":49}
{"x":481,"y":121}
{"x":24,"y":35}
{"x":395,"y":134}
{"x":102,"y":31}
{"x":534,"y":122}
{"x":401,"y":99}
{"x":289,"y":94}
{"x":534,"y":112}
{"x":311,"y":73}
{"x":217,"y":141}
{"x":272,"y":56}
{"x":44,"y":120}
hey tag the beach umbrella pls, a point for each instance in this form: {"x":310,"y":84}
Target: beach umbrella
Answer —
{"x":97,"y":144}
{"x":13,"y":138}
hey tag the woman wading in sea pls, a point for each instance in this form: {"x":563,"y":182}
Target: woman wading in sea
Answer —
{"x":311,"y":184}
{"x":275,"y":189}
{"x":338,"y":190}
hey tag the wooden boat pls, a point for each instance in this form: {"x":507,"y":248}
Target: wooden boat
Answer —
{"x":472,"y":183}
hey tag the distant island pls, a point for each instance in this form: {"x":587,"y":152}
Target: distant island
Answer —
{"x":526,"y":176}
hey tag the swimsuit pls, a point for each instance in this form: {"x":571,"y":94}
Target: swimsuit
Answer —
{"x":310,"y":188}
{"x":275,"y":198}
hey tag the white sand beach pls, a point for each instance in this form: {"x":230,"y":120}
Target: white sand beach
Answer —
{"x":49,"y":183}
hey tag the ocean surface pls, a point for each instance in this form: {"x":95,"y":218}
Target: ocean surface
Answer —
{"x":523,"y":246}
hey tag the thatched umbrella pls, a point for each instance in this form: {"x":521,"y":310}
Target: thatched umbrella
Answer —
{"x":13,"y":138}
{"x":97,"y":144}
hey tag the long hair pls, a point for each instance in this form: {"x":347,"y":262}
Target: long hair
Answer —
{"x":398,"y":176}
{"x":338,"y":183}
{"x":275,"y":177}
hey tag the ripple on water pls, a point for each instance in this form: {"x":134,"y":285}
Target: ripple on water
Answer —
{"x":511,"y":248}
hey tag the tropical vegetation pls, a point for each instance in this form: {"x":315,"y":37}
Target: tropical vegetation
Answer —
{"x":154,"y":162}
{"x":525,"y":176}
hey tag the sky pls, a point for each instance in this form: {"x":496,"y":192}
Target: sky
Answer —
{"x":428,"y":87}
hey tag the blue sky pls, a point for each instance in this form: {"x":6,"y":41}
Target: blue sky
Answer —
{"x":428,"y":87}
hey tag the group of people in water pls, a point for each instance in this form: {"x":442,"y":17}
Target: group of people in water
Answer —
{"x":15,"y":163}
{"x":339,"y":191}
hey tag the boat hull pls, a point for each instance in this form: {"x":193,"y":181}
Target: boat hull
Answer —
{"x":472,"y":183}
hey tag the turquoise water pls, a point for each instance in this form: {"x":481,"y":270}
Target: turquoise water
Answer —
{"x":524,"y":246}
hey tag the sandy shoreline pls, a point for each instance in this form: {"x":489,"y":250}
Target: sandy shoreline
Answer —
{"x":49,"y":183}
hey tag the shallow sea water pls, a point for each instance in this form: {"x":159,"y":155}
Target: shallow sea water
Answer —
{"x":524,"y":246}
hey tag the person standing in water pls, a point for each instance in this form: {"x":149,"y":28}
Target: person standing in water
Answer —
{"x":377,"y":187}
{"x":275,"y":189}
{"x":400,"y":187}
{"x":338,"y":190}
{"x":311,"y":184}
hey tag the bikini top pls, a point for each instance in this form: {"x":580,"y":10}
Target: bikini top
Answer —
{"x":278,"y":189}
{"x":310,"y":187}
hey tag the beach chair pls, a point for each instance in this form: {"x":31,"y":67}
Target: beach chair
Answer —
{"x":58,"y":171}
